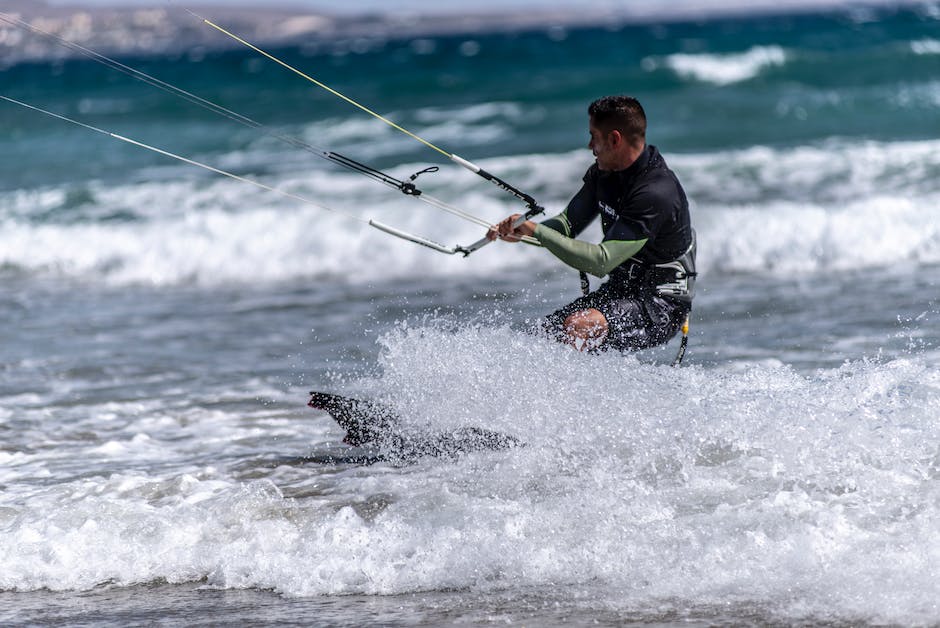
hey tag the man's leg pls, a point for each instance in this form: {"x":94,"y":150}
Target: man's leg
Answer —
{"x":586,"y":329}
{"x":609,"y":321}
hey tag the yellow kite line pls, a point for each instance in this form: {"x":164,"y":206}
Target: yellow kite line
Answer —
{"x":533,"y":207}
{"x":323,"y":85}
{"x":219,"y":109}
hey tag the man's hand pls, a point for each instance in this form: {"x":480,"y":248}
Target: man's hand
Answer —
{"x":505,"y":231}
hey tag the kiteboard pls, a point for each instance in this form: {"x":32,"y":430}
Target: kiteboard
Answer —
{"x":378,"y":427}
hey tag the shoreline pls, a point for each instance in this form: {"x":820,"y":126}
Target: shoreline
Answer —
{"x":158,"y":30}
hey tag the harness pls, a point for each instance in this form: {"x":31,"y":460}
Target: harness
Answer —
{"x":674,"y":279}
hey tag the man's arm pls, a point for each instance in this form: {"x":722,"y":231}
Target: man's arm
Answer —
{"x":578,"y":214}
{"x":637,"y":223}
{"x":596,"y":259}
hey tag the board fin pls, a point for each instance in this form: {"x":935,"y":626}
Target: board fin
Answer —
{"x":368,"y":422}
{"x":364,"y":421}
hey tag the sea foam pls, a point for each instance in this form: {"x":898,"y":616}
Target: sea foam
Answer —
{"x":720,"y":69}
{"x":792,"y":495}
{"x":829,"y":206}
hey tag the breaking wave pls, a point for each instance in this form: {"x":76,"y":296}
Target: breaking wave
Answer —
{"x":812,"y":208}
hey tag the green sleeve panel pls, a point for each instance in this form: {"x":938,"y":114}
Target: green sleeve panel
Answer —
{"x":559,"y":223}
{"x":597,"y":259}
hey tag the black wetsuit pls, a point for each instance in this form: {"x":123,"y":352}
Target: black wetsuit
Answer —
{"x":644,"y":201}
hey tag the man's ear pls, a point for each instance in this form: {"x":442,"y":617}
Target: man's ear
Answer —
{"x":615,"y":138}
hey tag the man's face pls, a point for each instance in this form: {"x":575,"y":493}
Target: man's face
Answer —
{"x":600,"y":145}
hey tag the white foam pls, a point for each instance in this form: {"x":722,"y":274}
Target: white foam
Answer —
{"x":720,"y":69}
{"x":926,"y":47}
{"x":471,"y":125}
{"x":836,"y":205}
{"x":833,"y":205}
{"x":473,"y":113}
{"x":833,"y":171}
{"x":229,"y":232}
{"x":797,"y":239}
{"x":808,"y":496}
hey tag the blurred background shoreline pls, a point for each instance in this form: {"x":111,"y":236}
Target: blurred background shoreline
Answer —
{"x":150,"y":27}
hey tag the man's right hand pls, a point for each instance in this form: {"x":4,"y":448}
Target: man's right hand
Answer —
{"x":506,"y":232}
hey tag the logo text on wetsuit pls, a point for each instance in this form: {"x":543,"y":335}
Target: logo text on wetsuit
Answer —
{"x":607,"y":210}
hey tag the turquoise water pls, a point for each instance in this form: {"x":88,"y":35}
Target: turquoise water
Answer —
{"x":711,"y":86}
{"x":161,"y":327}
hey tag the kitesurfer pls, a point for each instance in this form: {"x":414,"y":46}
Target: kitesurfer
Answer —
{"x":648,"y":246}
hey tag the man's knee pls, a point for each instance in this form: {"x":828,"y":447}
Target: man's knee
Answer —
{"x":586,"y":329}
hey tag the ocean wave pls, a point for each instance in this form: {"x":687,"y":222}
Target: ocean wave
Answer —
{"x":226,"y":232}
{"x":787,"y":239}
{"x":370,"y":138}
{"x":923,"y":96}
{"x":833,"y":206}
{"x":720,"y":69}
{"x":513,"y":112}
{"x":926,"y":47}
{"x":830,"y":172}
{"x":807,"y":496}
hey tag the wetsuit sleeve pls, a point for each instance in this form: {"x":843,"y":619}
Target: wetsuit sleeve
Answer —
{"x":579,"y":213}
{"x":557,"y":235}
{"x":596,"y":259}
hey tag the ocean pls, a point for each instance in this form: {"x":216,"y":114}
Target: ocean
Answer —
{"x":162,"y":326}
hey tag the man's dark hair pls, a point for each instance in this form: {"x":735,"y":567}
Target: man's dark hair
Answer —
{"x":621,"y":113}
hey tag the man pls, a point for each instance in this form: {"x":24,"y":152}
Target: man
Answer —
{"x":648,"y":248}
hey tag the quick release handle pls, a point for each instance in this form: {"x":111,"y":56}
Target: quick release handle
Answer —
{"x":467,"y":250}
{"x":533,"y":207}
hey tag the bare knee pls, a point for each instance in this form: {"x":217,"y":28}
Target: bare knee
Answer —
{"x":586,"y":329}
